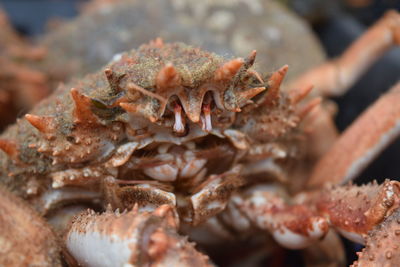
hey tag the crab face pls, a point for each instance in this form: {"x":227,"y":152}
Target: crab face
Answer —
{"x":184,"y":90}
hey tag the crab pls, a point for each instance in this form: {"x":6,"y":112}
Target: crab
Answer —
{"x":169,"y":138}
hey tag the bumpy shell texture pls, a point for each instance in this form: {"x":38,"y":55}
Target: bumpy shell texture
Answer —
{"x":163,"y":112}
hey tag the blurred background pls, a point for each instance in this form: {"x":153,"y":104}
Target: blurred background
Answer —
{"x":336,"y":24}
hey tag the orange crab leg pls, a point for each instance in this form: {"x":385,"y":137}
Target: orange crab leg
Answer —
{"x":355,"y":149}
{"x":382,"y":245}
{"x":355,"y":210}
{"x":26,"y":239}
{"x":292,"y":226}
{"x":335,"y":77}
{"x":131,"y":238}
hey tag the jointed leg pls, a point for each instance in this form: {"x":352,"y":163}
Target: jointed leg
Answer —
{"x":25,"y":238}
{"x":382,"y":245}
{"x":335,"y":77}
{"x":292,"y":226}
{"x":361,"y":142}
{"x":352,"y":210}
{"x":131,"y":238}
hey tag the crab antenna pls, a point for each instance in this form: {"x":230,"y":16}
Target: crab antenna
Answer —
{"x":82,"y":112}
{"x":43,"y":124}
{"x":9,"y":147}
{"x":274,"y":83}
{"x":135,"y":87}
{"x":179,"y":126}
{"x":134,"y":108}
{"x":228,"y":70}
{"x":166,"y":78}
{"x":129,"y":107}
{"x":206,"y":119}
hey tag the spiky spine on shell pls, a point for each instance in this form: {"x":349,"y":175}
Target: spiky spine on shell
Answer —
{"x":71,"y":142}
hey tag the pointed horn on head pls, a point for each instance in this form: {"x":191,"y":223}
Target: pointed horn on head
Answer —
{"x":113,"y":80}
{"x":228,"y":70}
{"x":82,"y":112}
{"x":250,"y":93}
{"x":44,"y":124}
{"x":274,"y":83}
{"x":250,"y":59}
{"x":9,"y":147}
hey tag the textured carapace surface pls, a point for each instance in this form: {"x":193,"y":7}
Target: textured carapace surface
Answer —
{"x":154,"y":127}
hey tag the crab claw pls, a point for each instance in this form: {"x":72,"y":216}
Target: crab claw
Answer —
{"x":131,"y":239}
{"x":292,"y":226}
{"x":355,"y":210}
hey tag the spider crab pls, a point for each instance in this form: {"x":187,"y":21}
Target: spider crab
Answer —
{"x":169,"y":137}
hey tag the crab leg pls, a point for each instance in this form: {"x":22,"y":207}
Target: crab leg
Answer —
{"x":322,"y":254}
{"x":131,"y":239}
{"x":352,"y":210}
{"x":382,"y":244}
{"x":354,"y":149}
{"x":356,"y":210}
{"x":210,"y":197}
{"x":292,"y":226}
{"x":335,"y":77}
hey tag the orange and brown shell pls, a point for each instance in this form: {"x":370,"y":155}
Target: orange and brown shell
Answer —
{"x":159,"y":93}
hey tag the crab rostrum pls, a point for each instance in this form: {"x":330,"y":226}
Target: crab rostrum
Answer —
{"x":173,"y":135}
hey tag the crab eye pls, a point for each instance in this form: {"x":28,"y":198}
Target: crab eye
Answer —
{"x":70,"y":139}
{"x":98,"y":104}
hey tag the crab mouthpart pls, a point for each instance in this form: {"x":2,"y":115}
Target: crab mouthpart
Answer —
{"x":206,"y":118}
{"x":179,"y":126}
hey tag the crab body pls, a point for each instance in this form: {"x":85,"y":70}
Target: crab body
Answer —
{"x":166,"y":124}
